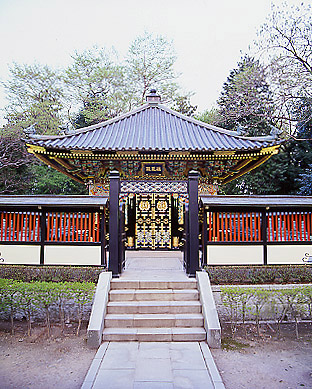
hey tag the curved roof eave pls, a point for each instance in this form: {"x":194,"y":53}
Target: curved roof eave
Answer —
{"x":193,"y":135}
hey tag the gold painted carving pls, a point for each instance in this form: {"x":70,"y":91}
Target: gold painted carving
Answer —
{"x":162,"y":205}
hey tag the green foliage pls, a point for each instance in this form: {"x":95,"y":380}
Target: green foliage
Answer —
{"x":82,"y":294}
{"x":30,"y":298}
{"x":284,"y":41}
{"x":46,"y":180}
{"x":211,"y":116}
{"x":281,"y":274}
{"x":235,"y":301}
{"x":245,"y":102}
{"x":35,"y":95}
{"x":50,"y":273}
{"x":14,"y":162}
{"x":95,"y":83}
{"x":150,"y":64}
{"x":27,"y":303}
{"x":293,"y":303}
{"x":183,"y":105}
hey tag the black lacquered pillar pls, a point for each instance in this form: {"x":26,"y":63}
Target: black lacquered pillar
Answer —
{"x":193,"y":223}
{"x":114,"y":189}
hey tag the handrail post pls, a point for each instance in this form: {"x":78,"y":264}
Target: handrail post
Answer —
{"x":114,"y":188}
{"x":193,"y":223}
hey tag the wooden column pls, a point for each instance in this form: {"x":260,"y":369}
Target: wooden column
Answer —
{"x":264,"y":236}
{"x":193,"y":223}
{"x":114,"y":188}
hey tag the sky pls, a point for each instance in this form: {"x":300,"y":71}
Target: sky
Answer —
{"x":209,"y":36}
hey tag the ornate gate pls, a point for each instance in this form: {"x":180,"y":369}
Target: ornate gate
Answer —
{"x":153,"y":221}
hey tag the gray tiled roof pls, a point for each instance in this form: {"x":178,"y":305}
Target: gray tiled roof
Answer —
{"x":257,"y":201}
{"x":152,"y":127}
{"x":53,"y":201}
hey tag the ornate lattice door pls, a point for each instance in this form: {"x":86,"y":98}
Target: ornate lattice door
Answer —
{"x":153,"y":221}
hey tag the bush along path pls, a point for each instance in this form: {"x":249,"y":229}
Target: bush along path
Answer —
{"x":262,"y":274}
{"x":293,"y":304}
{"x":34,"y":300}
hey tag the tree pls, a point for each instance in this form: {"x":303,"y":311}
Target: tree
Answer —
{"x":35,"y":95}
{"x":14,"y":162}
{"x":285,"y":40}
{"x":246,"y":105}
{"x":305,"y":182}
{"x":210,"y":116}
{"x":94,"y":88}
{"x":95,"y":85}
{"x":183,"y":105}
{"x":246,"y":100}
{"x":150,"y":64}
{"x":46,"y":180}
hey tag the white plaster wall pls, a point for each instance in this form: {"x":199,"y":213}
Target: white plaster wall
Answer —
{"x":234,"y":255}
{"x":288,"y":254}
{"x":72,"y":255}
{"x":20,"y":254}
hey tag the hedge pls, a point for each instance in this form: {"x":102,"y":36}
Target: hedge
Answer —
{"x":269,"y":274}
{"x":30,"y":299}
{"x":46,"y":273}
{"x":292,"y":304}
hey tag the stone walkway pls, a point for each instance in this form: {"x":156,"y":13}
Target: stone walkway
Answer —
{"x":153,"y":365}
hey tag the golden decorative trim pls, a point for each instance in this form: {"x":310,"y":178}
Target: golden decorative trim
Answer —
{"x":125,"y":153}
{"x":35,"y":149}
{"x":225,"y":152}
{"x":179,"y":153}
{"x":270,"y":150}
{"x":244,"y":171}
{"x":156,"y":157}
{"x":83,"y":152}
{"x":50,"y":163}
{"x":63,"y":163}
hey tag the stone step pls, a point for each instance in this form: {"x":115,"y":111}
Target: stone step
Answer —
{"x":178,"y":334}
{"x":152,"y":284}
{"x":153,"y":320}
{"x":135,"y":307}
{"x":153,"y":295}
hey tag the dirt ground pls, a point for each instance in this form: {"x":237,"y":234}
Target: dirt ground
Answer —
{"x":62,"y":361}
{"x":266,"y":361}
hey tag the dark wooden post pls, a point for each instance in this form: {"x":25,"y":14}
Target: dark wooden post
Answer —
{"x":264,"y":236}
{"x":114,"y":187}
{"x":43,"y":232}
{"x":193,"y":223}
{"x":204,"y":238}
{"x":103,"y":236}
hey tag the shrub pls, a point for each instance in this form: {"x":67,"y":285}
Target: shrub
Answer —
{"x":30,"y":297}
{"x":47,"y":273}
{"x":293,"y":303}
{"x":269,"y":274}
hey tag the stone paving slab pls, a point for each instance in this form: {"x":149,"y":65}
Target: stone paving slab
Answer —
{"x":149,"y":365}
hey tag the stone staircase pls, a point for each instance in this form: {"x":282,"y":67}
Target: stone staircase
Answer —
{"x":153,"y":311}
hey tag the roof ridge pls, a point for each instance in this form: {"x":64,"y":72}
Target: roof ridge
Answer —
{"x":144,"y":107}
{"x":97,"y":126}
{"x":210,"y":126}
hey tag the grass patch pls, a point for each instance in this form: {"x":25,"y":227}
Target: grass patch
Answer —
{"x":229,"y":343}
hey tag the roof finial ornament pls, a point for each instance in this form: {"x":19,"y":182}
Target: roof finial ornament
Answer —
{"x":67,"y":129}
{"x":153,"y":97}
{"x":30,"y":131}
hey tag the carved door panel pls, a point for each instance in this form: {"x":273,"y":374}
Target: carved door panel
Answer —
{"x":153,"y":221}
